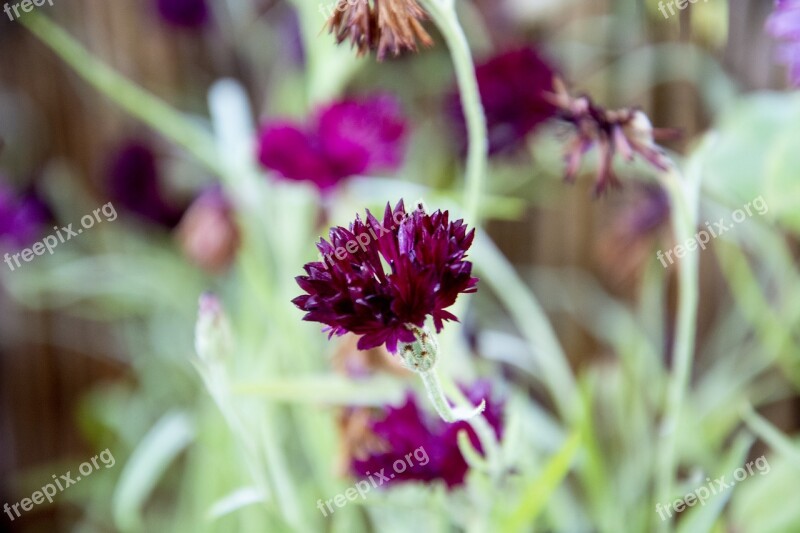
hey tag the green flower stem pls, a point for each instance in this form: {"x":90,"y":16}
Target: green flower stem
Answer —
{"x":449,"y":414}
{"x":444,"y":14}
{"x":684,"y":201}
{"x":172,"y":124}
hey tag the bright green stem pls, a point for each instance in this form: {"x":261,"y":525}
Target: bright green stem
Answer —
{"x":439,"y":400}
{"x":174,"y":125}
{"x":684,"y":201}
{"x":444,"y":14}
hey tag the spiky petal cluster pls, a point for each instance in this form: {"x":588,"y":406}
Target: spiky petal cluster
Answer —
{"x":386,"y":25}
{"x":430,"y":443}
{"x":349,"y":290}
{"x":784,"y":24}
{"x":624,"y":131}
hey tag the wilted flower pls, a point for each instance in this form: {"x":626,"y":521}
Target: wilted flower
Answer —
{"x":625,"y":131}
{"x":184,"y":13}
{"x":513,"y":88}
{"x":351,"y":291}
{"x":21,"y":217}
{"x":430,"y":443}
{"x":207,"y":233}
{"x":134,"y":183}
{"x":386,"y":25}
{"x":784,"y":23}
{"x":345,"y":138}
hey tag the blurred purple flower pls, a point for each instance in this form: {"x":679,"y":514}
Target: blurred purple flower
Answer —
{"x":346,"y":138}
{"x":184,"y":13}
{"x":134,"y":183}
{"x":784,"y":24}
{"x":21,"y":217}
{"x":512,"y":86}
{"x":406,"y":429}
{"x":425,"y":255}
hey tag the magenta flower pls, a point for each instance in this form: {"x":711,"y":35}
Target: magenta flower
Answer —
{"x":349,"y":290}
{"x":512,"y":87}
{"x":346,"y":138}
{"x":784,"y":24}
{"x":430,"y":443}
{"x":134,"y":183}
{"x":21,"y":217}
{"x":184,"y":13}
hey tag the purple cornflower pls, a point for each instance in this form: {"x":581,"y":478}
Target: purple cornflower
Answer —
{"x":134,"y":183}
{"x":512,"y":86}
{"x":345,"y":138}
{"x":784,"y":24}
{"x":21,"y":217}
{"x":351,"y":292}
{"x":430,"y":443}
{"x":184,"y":13}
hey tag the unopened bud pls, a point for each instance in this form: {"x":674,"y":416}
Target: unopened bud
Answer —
{"x":213,"y":338}
{"x":208,"y":234}
{"x":421,"y":354}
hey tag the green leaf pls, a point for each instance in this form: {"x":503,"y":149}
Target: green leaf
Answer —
{"x":162,"y":444}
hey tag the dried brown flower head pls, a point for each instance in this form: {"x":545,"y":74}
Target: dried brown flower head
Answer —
{"x":383,"y":25}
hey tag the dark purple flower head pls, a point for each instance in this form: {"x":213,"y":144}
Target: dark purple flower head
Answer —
{"x":512,"y":87}
{"x":21,"y":217}
{"x":625,"y":131}
{"x":346,"y":138}
{"x":784,"y":24}
{"x":134,"y":183}
{"x":184,"y":13}
{"x":351,"y":291}
{"x":407,"y":430}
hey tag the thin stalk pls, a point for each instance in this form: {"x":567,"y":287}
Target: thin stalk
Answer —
{"x":449,"y":414}
{"x":684,"y":197}
{"x":172,"y":124}
{"x":444,"y":14}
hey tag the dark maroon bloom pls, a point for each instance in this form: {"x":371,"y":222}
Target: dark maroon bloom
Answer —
{"x":784,"y":24}
{"x":407,"y":429}
{"x":512,"y":87}
{"x":346,"y":138}
{"x":625,"y":131}
{"x":21,"y":217}
{"x":351,"y":292}
{"x":134,"y":183}
{"x":184,"y":13}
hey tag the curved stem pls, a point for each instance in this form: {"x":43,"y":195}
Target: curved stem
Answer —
{"x":683,"y":194}
{"x":449,"y":414}
{"x":444,"y":14}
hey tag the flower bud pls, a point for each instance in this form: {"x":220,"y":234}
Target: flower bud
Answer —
{"x":213,"y":339}
{"x":208,"y":234}
{"x":420,"y":355}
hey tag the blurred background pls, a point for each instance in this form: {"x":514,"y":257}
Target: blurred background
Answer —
{"x":92,"y":356}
